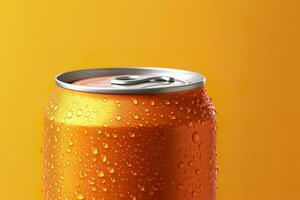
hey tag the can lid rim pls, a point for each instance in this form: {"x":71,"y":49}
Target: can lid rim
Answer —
{"x":191,"y":79}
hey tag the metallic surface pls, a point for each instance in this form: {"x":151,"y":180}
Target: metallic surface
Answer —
{"x":133,"y":80}
{"x":180,"y":80}
{"x":121,"y":147}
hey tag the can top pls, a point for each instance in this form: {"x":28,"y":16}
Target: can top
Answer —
{"x":130,"y":80}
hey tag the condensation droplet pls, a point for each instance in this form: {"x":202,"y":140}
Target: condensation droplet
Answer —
{"x":166,"y":102}
{"x":196,"y":137}
{"x":194,"y":194}
{"x":152,"y":103}
{"x":173,"y":117}
{"x":55,"y":139}
{"x":70,"y":142}
{"x":104,"y":158}
{"x":180,"y":165}
{"x":87,"y":114}
{"x":107,"y":134}
{"x":179,"y":186}
{"x":95,"y":151}
{"x":95,"y":110}
{"x":201,"y":187}
{"x":105,"y":145}
{"x":134,"y":101}
{"x":135,"y":116}
{"x":118,"y":117}
{"x":79,"y":196}
{"x":142,"y":188}
{"x":69,"y":114}
{"x":131,"y":134}
{"x":91,"y":182}
{"x":111,"y":170}
{"x":79,"y":112}
{"x":93,"y":188}
{"x":197,"y":172}
{"x":103,"y":188}
{"x":100,"y":174}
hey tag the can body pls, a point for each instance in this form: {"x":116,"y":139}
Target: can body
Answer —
{"x":144,"y":146}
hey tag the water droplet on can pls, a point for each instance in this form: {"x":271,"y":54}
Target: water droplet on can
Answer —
{"x":104,"y":158}
{"x":103,"y":188}
{"x":111,"y":170}
{"x":87,"y":114}
{"x":95,"y":151}
{"x":69,"y":114}
{"x":196,"y":137}
{"x":180,"y":165}
{"x":70,"y":142}
{"x":166,"y":102}
{"x":179,"y":186}
{"x":194,"y":194}
{"x":93,"y":188}
{"x":173,"y":117}
{"x":152,"y":103}
{"x":100,"y":174}
{"x":118,"y":117}
{"x":134,"y":101}
{"x":142,"y":188}
{"x":131,"y":134}
{"x":95,"y":110}
{"x":105,"y":145}
{"x":79,"y":196}
{"x":79,"y":112}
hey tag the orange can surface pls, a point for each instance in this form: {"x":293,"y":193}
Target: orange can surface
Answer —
{"x":101,"y":146}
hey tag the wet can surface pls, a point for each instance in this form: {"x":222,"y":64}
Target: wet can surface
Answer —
{"x":130,"y":133}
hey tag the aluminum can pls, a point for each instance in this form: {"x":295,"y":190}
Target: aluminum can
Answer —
{"x":129,"y":133}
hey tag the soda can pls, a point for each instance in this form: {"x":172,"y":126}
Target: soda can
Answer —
{"x":129,"y":133}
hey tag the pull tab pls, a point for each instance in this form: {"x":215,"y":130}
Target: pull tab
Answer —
{"x":133,"y":80}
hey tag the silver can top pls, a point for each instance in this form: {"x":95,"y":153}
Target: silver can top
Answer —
{"x":130,"y":80}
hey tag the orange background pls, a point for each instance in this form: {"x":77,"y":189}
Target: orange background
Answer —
{"x":247,"y":49}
